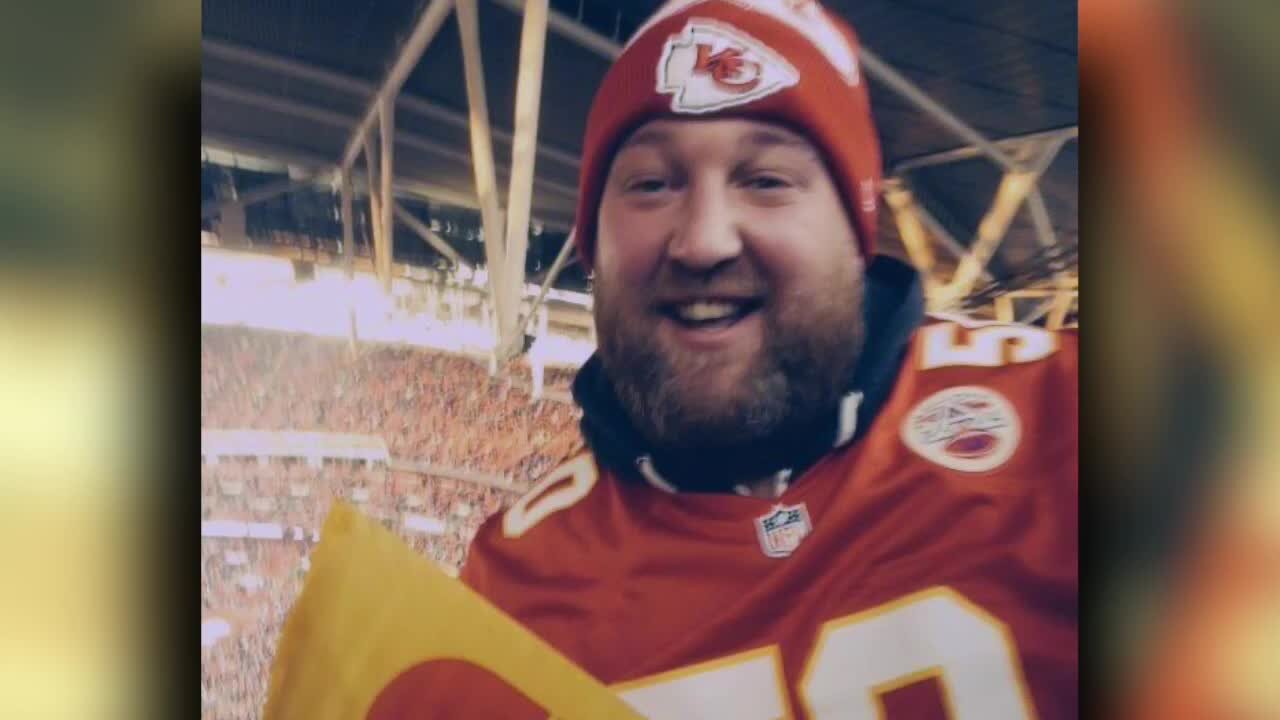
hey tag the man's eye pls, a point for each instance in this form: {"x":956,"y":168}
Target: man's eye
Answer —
{"x":647,"y":185}
{"x":766,"y":182}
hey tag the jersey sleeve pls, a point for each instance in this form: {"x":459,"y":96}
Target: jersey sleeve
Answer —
{"x":533,"y":545}
{"x":482,"y":558}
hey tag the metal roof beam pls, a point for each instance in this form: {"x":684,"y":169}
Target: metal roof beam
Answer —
{"x":482,"y":150}
{"x":404,"y":187}
{"x":349,"y":259}
{"x":432,"y":239}
{"x":374,"y":190}
{"x":348,"y":225}
{"x":1061,"y":307}
{"x":968,"y":152}
{"x":1037,"y":292}
{"x":285,"y":66}
{"x":553,"y":272}
{"x":912,"y":93}
{"x":533,"y":40}
{"x":937,"y":231}
{"x":1013,"y":190}
{"x":404,"y":101}
{"x":387,"y":134}
{"x":1018,"y":181}
{"x":263,"y":193}
{"x":1038,"y":311}
{"x":1045,"y":234}
{"x":1040,"y":220}
{"x":875,"y":67}
{"x":903,"y":205}
{"x":424,"y":30}
{"x":334,"y":119}
{"x":1004,"y":308}
{"x":573,"y":30}
{"x":274,"y":103}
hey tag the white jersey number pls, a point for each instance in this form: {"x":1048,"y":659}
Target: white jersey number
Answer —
{"x":936,"y":633}
{"x":988,"y":344}
{"x":537,"y":504}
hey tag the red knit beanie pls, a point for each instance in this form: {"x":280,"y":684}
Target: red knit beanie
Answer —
{"x":785,"y":61}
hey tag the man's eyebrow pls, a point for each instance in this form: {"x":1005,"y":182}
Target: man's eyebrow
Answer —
{"x":775,"y":138}
{"x":647,"y":136}
{"x":758,"y":139}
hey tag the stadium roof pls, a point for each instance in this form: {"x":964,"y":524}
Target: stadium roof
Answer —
{"x":292,"y":79}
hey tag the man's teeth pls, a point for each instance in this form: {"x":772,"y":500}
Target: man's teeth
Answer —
{"x":706,"y":311}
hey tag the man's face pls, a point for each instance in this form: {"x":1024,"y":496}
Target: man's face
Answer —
{"x":728,"y":282}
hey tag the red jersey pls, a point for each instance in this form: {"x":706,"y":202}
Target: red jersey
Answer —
{"x":928,"y":570}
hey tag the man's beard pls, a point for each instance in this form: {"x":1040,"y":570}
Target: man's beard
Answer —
{"x":811,"y":342}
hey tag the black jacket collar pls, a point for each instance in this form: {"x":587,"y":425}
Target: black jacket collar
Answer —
{"x":894,"y":307}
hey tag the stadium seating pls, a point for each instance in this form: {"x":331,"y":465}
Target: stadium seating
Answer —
{"x":428,"y":407}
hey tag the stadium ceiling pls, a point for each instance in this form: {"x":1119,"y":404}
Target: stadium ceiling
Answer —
{"x":975,"y":102}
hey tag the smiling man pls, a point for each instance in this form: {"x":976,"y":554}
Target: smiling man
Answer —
{"x":800,"y":497}
{"x":729,"y":288}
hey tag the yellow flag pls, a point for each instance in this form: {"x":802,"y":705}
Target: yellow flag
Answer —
{"x":371,"y":608}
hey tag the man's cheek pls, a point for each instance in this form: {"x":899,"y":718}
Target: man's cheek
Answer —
{"x":630,"y":257}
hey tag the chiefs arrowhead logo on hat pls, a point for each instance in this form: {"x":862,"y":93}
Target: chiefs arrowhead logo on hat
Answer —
{"x":781,"y":61}
{"x":710,"y":66}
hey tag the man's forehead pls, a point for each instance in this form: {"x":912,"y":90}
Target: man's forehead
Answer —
{"x":743,"y":133}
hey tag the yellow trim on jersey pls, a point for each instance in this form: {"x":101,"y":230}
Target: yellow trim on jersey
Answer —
{"x":772,"y":652}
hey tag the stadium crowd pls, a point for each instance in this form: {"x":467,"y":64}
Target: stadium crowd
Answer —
{"x":251,"y":583}
{"x":428,"y":407}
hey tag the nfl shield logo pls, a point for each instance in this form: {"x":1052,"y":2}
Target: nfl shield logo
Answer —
{"x":782,"y":530}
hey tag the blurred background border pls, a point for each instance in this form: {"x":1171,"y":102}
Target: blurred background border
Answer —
{"x":99,"y":340}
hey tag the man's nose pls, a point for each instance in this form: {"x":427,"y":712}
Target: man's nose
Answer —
{"x":707,"y":234}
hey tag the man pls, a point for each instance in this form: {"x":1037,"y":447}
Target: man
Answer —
{"x":800,"y":497}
